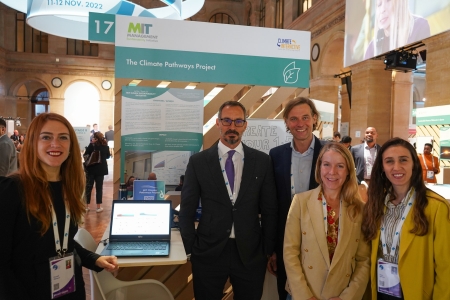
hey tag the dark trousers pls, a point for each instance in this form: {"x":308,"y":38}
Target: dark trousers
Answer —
{"x":90,"y":179}
{"x":281,"y":277}
{"x":210,"y":276}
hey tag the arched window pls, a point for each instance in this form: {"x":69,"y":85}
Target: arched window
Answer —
{"x":40,"y":102}
{"x":221,"y":18}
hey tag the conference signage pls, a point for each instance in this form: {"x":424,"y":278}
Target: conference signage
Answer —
{"x":444,"y":153}
{"x":434,"y":115}
{"x":174,"y":50}
{"x":69,"y":18}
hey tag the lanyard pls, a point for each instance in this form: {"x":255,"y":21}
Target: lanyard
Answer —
{"x":424,"y":162}
{"x":321,"y":197}
{"x":410,"y":197}
{"x":60,"y":251}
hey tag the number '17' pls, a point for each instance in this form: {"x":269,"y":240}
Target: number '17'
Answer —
{"x":109,"y":23}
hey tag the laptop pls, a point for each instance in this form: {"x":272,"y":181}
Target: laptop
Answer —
{"x":139,"y":228}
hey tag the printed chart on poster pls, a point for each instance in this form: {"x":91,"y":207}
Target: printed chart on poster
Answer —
{"x":159,"y":119}
{"x":170,"y":165}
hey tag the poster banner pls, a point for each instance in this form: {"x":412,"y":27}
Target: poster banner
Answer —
{"x":83,"y":136}
{"x":444,"y":133}
{"x":434,"y":115}
{"x":159,"y":119}
{"x":149,"y":190}
{"x":265,"y":134}
{"x":209,"y":52}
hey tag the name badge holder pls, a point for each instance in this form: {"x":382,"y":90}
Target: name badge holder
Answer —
{"x":62,"y":274}
{"x":430,"y":174}
{"x":387,"y":273}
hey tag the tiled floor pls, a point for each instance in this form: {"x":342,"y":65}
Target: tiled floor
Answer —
{"x":96,"y":223}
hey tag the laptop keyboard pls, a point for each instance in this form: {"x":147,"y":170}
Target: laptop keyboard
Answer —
{"x":138,"y":246}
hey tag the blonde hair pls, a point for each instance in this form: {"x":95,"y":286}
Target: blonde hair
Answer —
{"x":349,"y":191}
{"x":402,"y":23}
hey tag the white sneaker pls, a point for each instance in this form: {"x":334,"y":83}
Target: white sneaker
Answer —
{"x":99,"y":209}
{"x":87,"y":208}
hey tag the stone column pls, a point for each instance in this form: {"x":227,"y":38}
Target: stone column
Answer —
{"x":438,"y":70}
{"x":401,"y":104}
{"x":371,"y":100}
{"x":56,"y":105}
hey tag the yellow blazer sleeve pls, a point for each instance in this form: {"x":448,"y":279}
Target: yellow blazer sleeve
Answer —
{"x":292,"y":254}
{"x":361,"y":273}
{"x":441,"y":247}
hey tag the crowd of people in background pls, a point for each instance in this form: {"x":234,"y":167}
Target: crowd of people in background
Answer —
{"x":329,"y":219}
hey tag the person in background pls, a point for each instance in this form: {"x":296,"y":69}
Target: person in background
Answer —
{"x":237,"y":228}
{"x":294,"y":166}
{"x":180,"y":185}
{"x":109,"y":136}
{"x":430,"y":164}
{"x":151,"y":176}
{"x":37,"y":201}
{"x":15,"y":136}
{"x":21,"y":139}
{"x":94,"y":130}
{"x":321,"y":257}
{"x":8,"y":153}
{"x":96,"y":173}
{"x":347,"y":142}
{"x":336,"y":136}
{"x":364,"y":155}
{"x":130,"y":183}
{"x":409,"y":228}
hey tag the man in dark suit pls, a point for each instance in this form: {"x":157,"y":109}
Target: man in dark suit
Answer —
{"x":294,"y":166}
{"x":231,"y":240}
{"x":364,"y":155}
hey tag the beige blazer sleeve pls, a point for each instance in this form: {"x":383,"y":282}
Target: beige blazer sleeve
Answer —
{"x":291,"y":250}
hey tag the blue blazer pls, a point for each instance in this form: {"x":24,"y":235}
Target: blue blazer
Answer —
{"x":281,"y":159}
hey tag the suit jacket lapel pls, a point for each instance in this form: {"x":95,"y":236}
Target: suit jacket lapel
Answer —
{"x":316,"y":212}
{"x":346,"y":227}
{"x":247,"y":172}
{"x":405,"y":236}
{"x":286,"y":163}
{"x":213,"y":165}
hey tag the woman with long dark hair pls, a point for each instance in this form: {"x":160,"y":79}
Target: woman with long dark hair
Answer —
{"x":42,"y":205}
{"x":409,"y":227}
{"x":96,"y":173}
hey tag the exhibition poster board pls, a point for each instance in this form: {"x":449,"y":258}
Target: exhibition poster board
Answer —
{"x":445,"y":143}
{"x":83,"y":136}
{"x":160,"y":119}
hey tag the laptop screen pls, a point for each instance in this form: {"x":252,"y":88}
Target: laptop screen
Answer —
{"x":141,"y":218}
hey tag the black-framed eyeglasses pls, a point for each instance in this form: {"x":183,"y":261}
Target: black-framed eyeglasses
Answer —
{"x":237,"y":122}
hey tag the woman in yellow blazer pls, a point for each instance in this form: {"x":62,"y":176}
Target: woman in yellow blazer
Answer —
{"x":324,"y":252}
{"x":400,"y":206}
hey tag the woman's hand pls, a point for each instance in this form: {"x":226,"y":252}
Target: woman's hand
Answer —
{"x":109,"y":263}
{"x":272,"y":264}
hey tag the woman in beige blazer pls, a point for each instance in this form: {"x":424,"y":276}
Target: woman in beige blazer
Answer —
{"x":324,"y":252}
